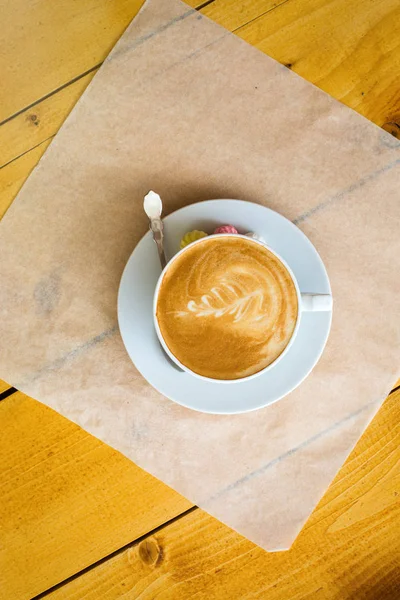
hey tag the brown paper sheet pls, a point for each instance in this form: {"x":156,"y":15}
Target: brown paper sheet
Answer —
{"x":186,"y":108}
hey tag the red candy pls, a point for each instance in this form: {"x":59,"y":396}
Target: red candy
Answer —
{"x":226,"y":229}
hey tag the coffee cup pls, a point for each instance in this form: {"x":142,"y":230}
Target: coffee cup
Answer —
{"x":185,"y":274}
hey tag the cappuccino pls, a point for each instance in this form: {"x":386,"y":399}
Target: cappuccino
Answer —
{"x":227,"y":307}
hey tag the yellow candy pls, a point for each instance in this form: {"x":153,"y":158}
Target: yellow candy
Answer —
{"x":192,"y":236}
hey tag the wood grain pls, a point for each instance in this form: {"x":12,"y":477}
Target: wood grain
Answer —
{"x":66,"y":499}
{"x":13,"y":176}
{"x":61,"y":512}
{"x":349,"y":549}
{"x":3,"y":386}
{"x":50,"y":43}
{"x":232,"y":14}
{"x":352,"y":64}
{"x":26,"y":127}
{"x":39,"y":123}
{"x":349,"y":48}
{"x":47,"y":44}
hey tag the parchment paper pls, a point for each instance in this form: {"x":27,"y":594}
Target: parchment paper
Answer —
{"x":186,"y":108}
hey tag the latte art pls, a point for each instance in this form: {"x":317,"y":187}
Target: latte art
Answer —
{"x":230,"y":298}
{"x":227,"y":307}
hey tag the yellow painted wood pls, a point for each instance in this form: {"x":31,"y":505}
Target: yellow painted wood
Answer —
{"x":349,"y":48}
{"x":349,"y":549}
{"x":46,"y":44}
{"x":15,"y":173}
{"x":39,"y":123}
{"x":3,"y":386}
{"x":233,"y":14}
{"x":352,"y":65}
{"x":67,"y":514}
{"x":66,"y":499}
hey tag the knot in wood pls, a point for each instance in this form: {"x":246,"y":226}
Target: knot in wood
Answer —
{"x":150,"y":552}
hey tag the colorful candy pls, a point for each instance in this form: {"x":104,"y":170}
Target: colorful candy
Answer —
{"x":226,"y":229}
{"x":192,"y":236}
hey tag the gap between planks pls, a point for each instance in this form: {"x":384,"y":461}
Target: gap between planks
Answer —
{"x":12,"y":390}
{"x":234,"y":26}
{"x":99,"y":562}
{"x":52,"y":93}
{"x":132,"y":543}
{"x":74,"y":80}
{"x":7,"y":392}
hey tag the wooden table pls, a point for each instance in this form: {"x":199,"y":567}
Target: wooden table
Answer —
{"x":78,"y":520}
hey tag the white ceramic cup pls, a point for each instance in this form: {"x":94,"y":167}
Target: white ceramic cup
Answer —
{"x":307,"y":302}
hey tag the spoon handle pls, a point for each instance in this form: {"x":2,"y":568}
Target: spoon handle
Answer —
{"x":157,"y":229}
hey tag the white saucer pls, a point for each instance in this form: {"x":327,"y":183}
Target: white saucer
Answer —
{"x":135,"y":300}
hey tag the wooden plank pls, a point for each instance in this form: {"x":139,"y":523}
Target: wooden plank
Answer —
{"x":349,"y":48}
{"x":39,"y":123}
{"x":196,"y":3}
{"x":3,"y":386}
{"x":66,"y":499}
{"x":13,"y":176}
{"x":349,"y":549}
{"x":47,"y":44}
{"x":10,"y":180}
{"x":233,"y":14}
{"x":352,"y":66}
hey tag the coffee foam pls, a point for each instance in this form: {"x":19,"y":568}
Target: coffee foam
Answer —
{"x":227,"y":307}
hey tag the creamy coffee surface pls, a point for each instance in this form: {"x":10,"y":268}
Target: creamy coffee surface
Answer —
{"x":227,"y":307}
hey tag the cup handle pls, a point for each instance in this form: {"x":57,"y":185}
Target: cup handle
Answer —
{"x":316,"y":302}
